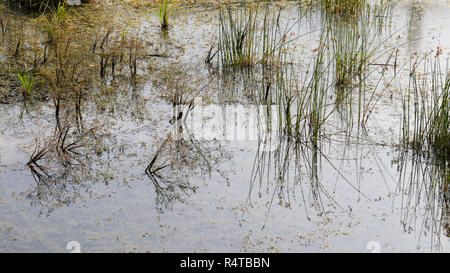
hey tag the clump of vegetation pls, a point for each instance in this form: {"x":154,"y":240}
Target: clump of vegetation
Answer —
{"x":3,"y":21}
{"x":341,"y":65}
{"x":27,"y":81}
{"x":343,"y":7}
{"x":425,"y":122}
{"x":33,"y":4}
{"x":164,"y":8}
{"x":251,"y":35}
{"x":117,"y":48}
{"x":439,"y":135}
{"x":348,"y":45}
{"x":39,"y":5}
{"x":67,"y":65}
{"x":69,"y":55}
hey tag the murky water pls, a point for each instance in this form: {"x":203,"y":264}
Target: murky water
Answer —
{"x":222,"y":195}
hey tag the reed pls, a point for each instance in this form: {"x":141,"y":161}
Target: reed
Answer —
{"x":343,"y":8}
{"x":164,"y":8}
{"x":251,"y":35}
{"x":347,"y":54}
{"x":425,"y":122}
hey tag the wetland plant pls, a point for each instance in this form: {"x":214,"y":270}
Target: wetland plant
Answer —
{"x":164,"y":8}
{"x":136,"y":51}
{"x":348,"y":52}
{"x":425,"y":134}
{"x":251,"y":35}
{"x":425,"y":122}
{"x":358,"y":51}
{"x":27,"y":81}
{"x":354,"y":43}
{"x":3,"y":21}
{"x":39,"y":5}
{"x":3,"y":26}
{"x":68,"y":61}
{"x":343,"y":8}
{"x":78,"y":50}
{"x":117,"y":48}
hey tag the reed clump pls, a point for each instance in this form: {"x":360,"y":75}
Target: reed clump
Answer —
{"x":343,"y":7}
{"x":425,"y":122}
{"x":251,"y":35}
{"x":164,"y":9}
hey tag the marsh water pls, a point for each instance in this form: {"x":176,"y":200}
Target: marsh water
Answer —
{"x":219,"y":195}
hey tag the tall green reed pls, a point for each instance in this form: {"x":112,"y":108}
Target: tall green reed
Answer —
{"x":425,"y":122}
{"x":250,"y":35}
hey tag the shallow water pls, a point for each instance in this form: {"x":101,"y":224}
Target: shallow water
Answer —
{"x":221,"y":196}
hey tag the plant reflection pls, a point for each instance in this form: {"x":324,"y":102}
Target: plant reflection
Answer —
{"x":423,"y":187}
{"x":174,"y":164}
{"x":60,"y":166}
